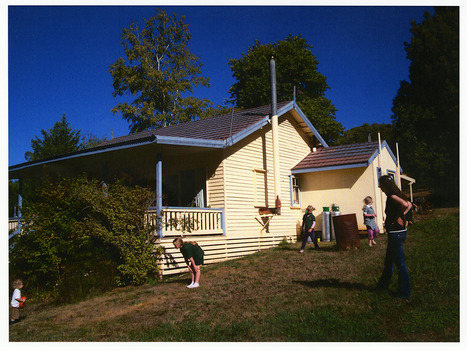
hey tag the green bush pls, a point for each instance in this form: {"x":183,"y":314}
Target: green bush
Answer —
{"x":78,"y":225}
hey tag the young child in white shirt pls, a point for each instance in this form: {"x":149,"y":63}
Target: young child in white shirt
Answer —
{"x":16,"y":301}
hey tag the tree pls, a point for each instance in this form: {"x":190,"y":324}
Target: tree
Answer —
{"x":160,"y":72}
{"x":59,"y":140}
{"x":362,"y":133}
{"x":89,"y":140}
{"x":296,"y":67}
{"x":426,"y":109}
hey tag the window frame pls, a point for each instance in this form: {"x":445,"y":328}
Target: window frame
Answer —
{"x":295,"y":192}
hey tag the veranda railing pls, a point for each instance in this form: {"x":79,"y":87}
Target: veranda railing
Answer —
{"x":178,"y":221}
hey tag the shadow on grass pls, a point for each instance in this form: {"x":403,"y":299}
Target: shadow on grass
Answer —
{"x":309,"y":248}
{"x":334,"y":283}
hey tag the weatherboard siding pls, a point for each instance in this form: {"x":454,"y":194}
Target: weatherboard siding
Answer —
{"x":215,"y":187}
{"x":232,"y":187}
{"x":255,"y":153}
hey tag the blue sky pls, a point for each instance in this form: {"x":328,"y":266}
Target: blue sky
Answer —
{"x":58,"y":59}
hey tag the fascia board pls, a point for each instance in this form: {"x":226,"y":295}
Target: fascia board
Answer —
{"x":308,"y":123}
{"x":166,"y":140}
{"x":334,"y":167}
{"x":285,"y":108}
{"x":246,"y":132}
{"x":384,"y":144}
{"x":98,"y":150}
{"x":258,"y":125}
{"x":186,"y":141}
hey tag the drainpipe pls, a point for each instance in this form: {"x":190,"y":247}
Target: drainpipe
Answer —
{"x":275,"y":136}
{"x":398,"y":168}
{"x":379,"y":154}
{"x":381,"y":170}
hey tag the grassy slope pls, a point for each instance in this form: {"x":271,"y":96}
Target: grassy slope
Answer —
{"x":278,"y":295}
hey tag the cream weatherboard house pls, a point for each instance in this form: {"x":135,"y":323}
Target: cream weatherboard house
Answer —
{"x":244,"y":178}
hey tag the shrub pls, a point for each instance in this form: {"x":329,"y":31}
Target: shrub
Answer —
{"x":77,"y":225}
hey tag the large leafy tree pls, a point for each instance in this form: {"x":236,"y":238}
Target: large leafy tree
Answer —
{"x":365,"y":132}
{"x":296,"y":67}
{"x":426,"y":109}
{"x":60,"y":139}
{"x":160,"y":73}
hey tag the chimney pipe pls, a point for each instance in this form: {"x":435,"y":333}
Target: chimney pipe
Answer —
{"x":272,"y":68}
{"x":275,"y":136}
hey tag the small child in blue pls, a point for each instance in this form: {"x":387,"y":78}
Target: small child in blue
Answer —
{"x":369,"y":220}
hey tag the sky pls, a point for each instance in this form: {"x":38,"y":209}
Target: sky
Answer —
{"x":59,"y":56}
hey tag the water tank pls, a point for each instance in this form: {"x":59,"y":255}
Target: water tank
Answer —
{"x":326,"y":228}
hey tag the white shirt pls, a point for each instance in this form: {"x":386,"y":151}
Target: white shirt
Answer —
{"x":16,"y":295}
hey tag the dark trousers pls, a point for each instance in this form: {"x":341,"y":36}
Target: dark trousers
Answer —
{"x":311,"y":234}
{"x":395,"y":256}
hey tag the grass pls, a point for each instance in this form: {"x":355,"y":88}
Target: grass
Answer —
{"x":278,"y":295}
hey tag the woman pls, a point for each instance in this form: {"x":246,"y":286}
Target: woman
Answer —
{"x":397,"y":206}
{"x":194,"y":258}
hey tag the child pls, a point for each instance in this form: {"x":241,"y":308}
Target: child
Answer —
{"x":308,"y":227}
{"x":193,"y":254}
{"x":369,"y":220}
{"x":16,"y":300}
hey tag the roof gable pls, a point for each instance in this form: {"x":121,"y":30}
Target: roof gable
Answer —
{"x":340,"y":157}
{"x":216,"y":132}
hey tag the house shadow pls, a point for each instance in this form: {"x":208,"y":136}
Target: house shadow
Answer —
{"x":334,"y":283}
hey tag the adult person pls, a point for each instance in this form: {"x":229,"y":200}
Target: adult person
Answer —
{"x":397,"y":206}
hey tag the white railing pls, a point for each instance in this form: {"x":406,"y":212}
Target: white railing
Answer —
{"x":13,"y":226}
{"x":190,"y":221}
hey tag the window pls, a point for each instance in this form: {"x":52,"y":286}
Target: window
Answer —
{"x":260,"y":183}
{"x":186,"y":188}
{"x":294,"y":191}
{"x":379,"y":172}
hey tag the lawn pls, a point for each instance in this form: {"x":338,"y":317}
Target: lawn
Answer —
{"x":279,"y":295}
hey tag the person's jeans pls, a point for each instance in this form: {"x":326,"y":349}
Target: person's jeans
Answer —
{"x":395,"y":256}
{"x":311,"y":234}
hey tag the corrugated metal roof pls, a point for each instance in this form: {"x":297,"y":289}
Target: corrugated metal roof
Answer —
{"x":338,"y":155}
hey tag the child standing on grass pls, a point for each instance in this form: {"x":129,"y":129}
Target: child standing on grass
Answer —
{"x":16,"y":300}
{"x":308,"y":227}
{"x":369,"y":216}
{"x":194,"y":258}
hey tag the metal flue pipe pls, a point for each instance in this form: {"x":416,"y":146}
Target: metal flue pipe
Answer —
{"x":275,"y":135}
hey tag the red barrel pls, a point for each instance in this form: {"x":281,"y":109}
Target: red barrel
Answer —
{"x":346,"y":230}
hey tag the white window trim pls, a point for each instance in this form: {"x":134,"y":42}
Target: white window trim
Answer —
{"x":299,"y":192}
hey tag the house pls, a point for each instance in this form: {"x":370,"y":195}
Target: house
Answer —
{"x":243,"y":178}
{"x":344,"y":175}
